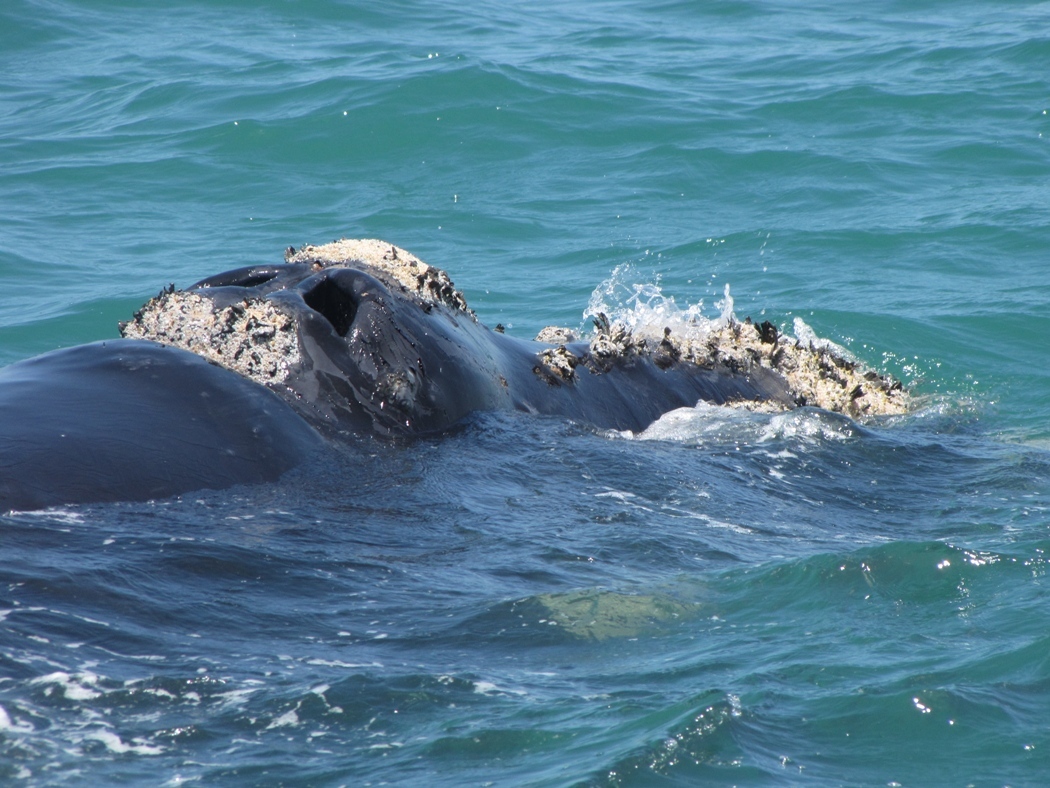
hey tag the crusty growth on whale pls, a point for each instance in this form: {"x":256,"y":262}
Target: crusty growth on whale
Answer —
{"x":255,"y":339}
{"x":818,"y":373}
{"x":557,"y":335}
{"x":251,"y":338}
{"x":404,"y":268}
{"x":558,"y":361}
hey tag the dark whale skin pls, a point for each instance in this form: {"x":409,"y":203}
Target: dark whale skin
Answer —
{"x":377,"y":358}
{"x":135,"y":420}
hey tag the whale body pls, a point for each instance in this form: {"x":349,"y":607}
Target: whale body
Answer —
{"x":239,"y":377}
{"x":136,"y":420}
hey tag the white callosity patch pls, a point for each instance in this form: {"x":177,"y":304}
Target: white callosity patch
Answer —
{"x":818,"y":372}
{"x":556,"y":335}
{"x":429,"y":283}
{"x":252,"y":338}
{"x":257,"y":340}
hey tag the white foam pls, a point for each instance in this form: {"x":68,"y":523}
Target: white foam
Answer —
{"x":78,"y":687}
{"x":289,"y":719}
{"x":63,"y":516}
{"x":488,"y":688}
{"x":808,"y":426}
{"x":335,"y":663}
{"x":702,"y":424}
{"x":7,"y":725}
{"x":237,"y":697}
{"x":117,"y":745}
{"x":713,"y":425}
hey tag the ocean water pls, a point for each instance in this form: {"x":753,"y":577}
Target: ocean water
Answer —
{"x":727,"y":598}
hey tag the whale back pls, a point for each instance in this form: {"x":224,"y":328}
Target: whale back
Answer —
{"x":135,"y":420}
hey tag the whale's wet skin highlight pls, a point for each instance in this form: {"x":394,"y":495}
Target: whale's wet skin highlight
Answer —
{"x":725,"y":595}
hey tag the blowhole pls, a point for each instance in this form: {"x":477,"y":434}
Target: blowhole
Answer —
{"x":252,"y":276}
{"x":257,"y":279}
{"x":337,"y":306}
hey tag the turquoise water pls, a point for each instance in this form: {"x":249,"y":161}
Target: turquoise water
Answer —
{"x":733,"y":598}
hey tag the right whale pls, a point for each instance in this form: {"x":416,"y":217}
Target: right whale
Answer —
{"x":353,"y":338}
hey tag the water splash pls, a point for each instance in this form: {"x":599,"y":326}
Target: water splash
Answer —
{"x":727,"y":317}
{"x":817,"y":372}
{"x":644,"y":308}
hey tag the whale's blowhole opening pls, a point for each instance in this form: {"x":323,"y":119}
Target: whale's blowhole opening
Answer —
{"x":257,"y":279}
{"x":253,"y":276}
{"x":335,"y":304}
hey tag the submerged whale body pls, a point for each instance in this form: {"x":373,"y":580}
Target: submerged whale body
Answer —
{"x":136,"y":420}
{"x":239,"y":377}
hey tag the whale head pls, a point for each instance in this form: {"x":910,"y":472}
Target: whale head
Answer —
{"x":353,"y":337}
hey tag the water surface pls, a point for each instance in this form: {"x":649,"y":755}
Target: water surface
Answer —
{"x":728,"y":598}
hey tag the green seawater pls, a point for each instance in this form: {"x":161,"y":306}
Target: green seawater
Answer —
{"x":749,"y":601}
